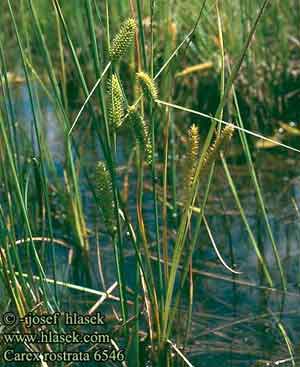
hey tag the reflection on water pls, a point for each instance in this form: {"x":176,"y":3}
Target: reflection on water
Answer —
{"x":235,"y":318}
{"x":51,"y":129}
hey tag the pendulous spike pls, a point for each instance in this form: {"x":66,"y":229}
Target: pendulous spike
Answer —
{"x":148,"y":85}
{"x":141,"y":131}
{"x":105,"y":197}
{"x":219,"y":145}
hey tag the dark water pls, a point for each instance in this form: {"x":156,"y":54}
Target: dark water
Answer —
{"x":236,"y":320}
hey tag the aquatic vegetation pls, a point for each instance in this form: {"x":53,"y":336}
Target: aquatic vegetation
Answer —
{"x":95,"y":213}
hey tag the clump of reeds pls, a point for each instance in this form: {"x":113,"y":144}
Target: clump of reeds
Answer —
{"x":116,"y":102}
{"x":105,"y":196}
{"x":123,"y":40}
{"x":148,"y":85}
{"x":141,"y":131}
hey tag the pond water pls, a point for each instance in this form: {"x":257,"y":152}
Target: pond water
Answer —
{"x":236,"y":319}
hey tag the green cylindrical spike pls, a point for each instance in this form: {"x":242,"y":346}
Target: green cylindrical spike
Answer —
{"x":148,"y":85}
{"x":141,"y":131}
{"x":116,"y":102}
{"x":105,"y":198}
{"x":123,"y":39}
